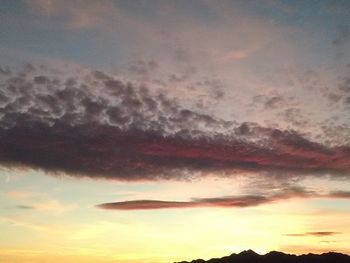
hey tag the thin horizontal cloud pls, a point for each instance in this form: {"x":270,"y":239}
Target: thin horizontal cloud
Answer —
{"x":25,"y":207}
{"x":99,"y":126}
{"x":51,"y":206}
{"x":317,"y":234}
{"x":225,"y":202}
{"x":244,"y":201}
{"x":145,"y":205}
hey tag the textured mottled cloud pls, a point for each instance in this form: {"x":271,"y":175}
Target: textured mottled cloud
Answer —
{"x":94,"y":124}
{"x":225,"y":202}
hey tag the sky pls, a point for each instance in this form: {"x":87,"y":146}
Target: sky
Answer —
{"x":160,"y":131}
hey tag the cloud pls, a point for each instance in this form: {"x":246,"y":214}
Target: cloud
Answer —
{"x":225,"y":202}
{"x":145,"y":204}
{"x":317,"y":234}
{"x":228,"y":202}
{"x":5,"y":71}
{"x":142,"y":67}
{"x":295,"y":117}
{"x":340,"y":194}
{"x":345,"y":85}
{"x":26,"y":207}
{"x":93,"y":124}
{"x":37,"y":201}
{"x":274,"y":102}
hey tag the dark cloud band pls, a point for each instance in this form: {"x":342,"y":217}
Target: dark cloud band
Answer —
{"x":98,"y":126}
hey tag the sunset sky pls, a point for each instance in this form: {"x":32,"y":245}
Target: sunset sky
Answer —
{"x":161,"y":131}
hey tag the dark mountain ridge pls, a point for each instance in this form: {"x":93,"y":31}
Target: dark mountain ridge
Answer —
{"x":249,"y":256}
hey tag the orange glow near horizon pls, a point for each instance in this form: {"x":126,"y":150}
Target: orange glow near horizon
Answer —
{"x":84,"y":233}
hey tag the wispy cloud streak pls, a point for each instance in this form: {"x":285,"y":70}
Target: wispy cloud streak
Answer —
{"x":317,"y":234}
{"x":225,"y":202}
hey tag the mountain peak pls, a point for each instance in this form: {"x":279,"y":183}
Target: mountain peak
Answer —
{"x":249,"y":256}
{"x":248,"y":252}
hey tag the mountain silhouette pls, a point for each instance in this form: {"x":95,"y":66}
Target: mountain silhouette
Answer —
{"x":249,"y":256}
